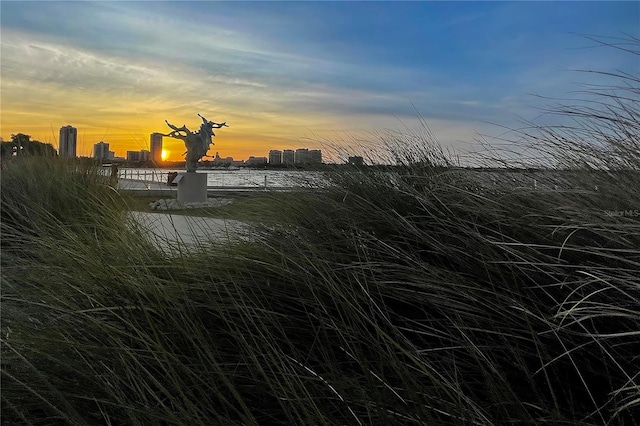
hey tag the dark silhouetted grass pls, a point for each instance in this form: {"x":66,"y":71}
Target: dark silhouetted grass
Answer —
{"x":417,"y":294}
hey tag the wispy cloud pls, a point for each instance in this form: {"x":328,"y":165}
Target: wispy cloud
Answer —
{"x":280,"y":71}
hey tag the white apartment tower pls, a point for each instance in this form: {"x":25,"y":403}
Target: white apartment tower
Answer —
{"x":155,"y":146}
{"x":68,"y":141}
{"x":275,"y":157}
{"x":288,"y":156}
{"x":315,"y":156}
{"x":302,"y":156}
{"x":101,"y":150}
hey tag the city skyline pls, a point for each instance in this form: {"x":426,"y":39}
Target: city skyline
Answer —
{"x":290,"y":74}
{"x":101,"y":151}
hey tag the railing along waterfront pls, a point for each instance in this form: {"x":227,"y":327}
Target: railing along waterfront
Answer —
{"x":227,"y":179}
{"x":248,"y":179}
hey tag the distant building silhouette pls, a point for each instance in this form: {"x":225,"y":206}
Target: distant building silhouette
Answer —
{"x":136,"y":156}
{"x":302,"y":156}
{"x":228,"y":161}
{"x":306,"y":156}
{"x":288,"y":156}
{"x":315,"y":156}
{"x":101,"y":151}
{"x":155,"y":145}
{"x":67,"y":141}
{"x":275,"y":157}
{"x":256,"y":161}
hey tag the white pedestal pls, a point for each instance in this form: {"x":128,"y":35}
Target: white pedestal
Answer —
{"x":192,"y":187}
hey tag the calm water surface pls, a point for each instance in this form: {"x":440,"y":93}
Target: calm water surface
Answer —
{"x":235,"y":178}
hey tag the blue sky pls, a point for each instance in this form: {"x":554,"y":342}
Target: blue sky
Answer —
{"x":288,"y":74}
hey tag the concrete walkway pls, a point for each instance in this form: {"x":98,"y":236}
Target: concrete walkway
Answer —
{"x":174,"y":232}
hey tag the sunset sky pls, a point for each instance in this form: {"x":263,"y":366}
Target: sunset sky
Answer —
{"x":296,"y":74}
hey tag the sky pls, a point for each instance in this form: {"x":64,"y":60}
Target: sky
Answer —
{"x":338,"y":76}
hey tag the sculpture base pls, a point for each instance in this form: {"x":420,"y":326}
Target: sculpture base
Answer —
{"x":192,"y":187}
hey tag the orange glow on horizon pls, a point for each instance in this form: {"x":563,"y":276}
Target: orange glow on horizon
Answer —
{"x":239,"y":141}
{"x":240,"y":146}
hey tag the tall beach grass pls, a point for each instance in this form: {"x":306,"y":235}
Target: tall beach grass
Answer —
{"x":416,"y":294}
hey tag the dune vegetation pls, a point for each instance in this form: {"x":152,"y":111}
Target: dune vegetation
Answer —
{"x":396,"y":296}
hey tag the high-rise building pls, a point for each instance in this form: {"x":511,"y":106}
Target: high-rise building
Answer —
{"x":308,"y":156}
{"x":156,"y":147}
{"x":101,"y":151}
{"x":67,"y":141}
{"x":133,"y":156}
{"x":302,"y":156}
{"x":315,"y":156}
{"x":288,"y":156}
{"x":275,"y":157}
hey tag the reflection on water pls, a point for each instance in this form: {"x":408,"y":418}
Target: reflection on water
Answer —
{"x":245,"y":178}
